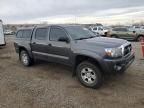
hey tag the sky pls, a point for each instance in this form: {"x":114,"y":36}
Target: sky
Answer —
{"x":72,"y":11}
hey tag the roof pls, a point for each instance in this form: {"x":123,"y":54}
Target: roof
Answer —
{"x":61,"y":25}
{"x":38,"y":26}
{"x":24,"y":28}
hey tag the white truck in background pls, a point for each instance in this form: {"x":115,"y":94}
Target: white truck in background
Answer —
{"x":99,"y":30}
{"x":2,"y":37}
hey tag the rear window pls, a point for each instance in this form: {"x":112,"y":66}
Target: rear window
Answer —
{"x":94,"y":28}
{"x":19,"y":34}
{"x":120,"y":29}
{"x":27,"y":33}
{"x":24,"y":34}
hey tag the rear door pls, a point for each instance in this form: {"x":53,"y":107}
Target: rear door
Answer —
{"x":39,"y":43}
{"x":59,"y":51}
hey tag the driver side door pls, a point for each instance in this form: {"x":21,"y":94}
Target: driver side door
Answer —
{"x":59,"y":51}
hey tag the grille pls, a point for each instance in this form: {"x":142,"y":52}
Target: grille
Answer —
{"x":127,"y":49}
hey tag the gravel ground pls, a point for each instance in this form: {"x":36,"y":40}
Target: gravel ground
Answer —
{"x":48,"y":85}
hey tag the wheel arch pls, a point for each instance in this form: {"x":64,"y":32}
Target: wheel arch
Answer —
{"x":80,"y":58}
{"x":139,"y":36}
{"x":25,"y":49}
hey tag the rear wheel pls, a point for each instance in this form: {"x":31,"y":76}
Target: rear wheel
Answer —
{"x":25,"y":59}
{"x":89,"y":75}
{"x":106,"y":34}
{"x":139,"y":39}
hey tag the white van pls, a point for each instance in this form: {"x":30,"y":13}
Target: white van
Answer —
{"x":2,"y":38}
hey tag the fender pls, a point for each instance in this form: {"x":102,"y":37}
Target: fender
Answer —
{"x":27,"y":49}
{"x":90,"y":54}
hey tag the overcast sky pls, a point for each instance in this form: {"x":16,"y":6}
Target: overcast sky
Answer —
{"x":71,"y":11}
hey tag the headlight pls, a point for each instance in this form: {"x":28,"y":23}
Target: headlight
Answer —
{"x":113,"y":52}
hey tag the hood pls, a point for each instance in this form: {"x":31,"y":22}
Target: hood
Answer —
{"x":99,"y":43}
{"x":103,"y":42}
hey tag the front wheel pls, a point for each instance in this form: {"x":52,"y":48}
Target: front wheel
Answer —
{"x":24,"y":58}
{"x":89,"y":75}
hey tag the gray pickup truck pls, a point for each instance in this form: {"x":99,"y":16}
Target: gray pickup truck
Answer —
{"x":127,"y":33}
{"x":89,"y":56}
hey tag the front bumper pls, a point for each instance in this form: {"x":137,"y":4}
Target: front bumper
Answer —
{"x":118,"y":65}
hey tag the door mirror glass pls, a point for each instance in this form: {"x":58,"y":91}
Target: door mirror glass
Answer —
{"x":63,"y":39}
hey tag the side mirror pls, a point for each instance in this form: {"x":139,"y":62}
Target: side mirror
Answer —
{"x":63,"y":39}
{"x":134,"y":31}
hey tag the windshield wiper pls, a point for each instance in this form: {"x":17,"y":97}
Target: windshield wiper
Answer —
{"x":92,"y":36}
{"x":85,"y":38}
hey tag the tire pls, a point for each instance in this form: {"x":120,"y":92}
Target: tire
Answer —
{"x":106,"y":34}
{"x":89,"y":75}
{"x":24,"y":58}
{"x":140,"y":38}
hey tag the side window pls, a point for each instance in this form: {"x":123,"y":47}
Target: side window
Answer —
{"x":27,"y":33}
{"x":41,"y":33}
{"x":100,"y":29}
{"x":116,"y":29}
{"x":19,"y":34}
{"x":94,"y":28}
{"x":56,"y":33}
{"x":124,"y":29}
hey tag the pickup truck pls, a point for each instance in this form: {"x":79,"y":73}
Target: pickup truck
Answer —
{"x":90,"y":56}
{"x":99,"y":30}
{"x":127,"y":33}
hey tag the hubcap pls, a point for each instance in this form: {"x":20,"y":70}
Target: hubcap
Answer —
{"x":25,"y":59}
{"x":88,"y":75}
{"x":140,"y":39}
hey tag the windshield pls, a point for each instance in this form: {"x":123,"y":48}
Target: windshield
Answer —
{"x":77,"y":32}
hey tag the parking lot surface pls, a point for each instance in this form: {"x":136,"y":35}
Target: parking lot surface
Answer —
{"x":49,"y":85}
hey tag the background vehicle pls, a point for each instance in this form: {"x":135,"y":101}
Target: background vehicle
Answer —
{"x":137,"y":28}
{"x":99,"y":30}
{"x":88,"y":55}
{"x":8,"y":32}
{"x":126,"y":33}
{"x":2,"y":38}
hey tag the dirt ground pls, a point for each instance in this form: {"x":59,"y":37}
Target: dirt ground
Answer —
{"x":48,"y":85}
